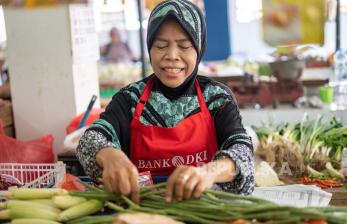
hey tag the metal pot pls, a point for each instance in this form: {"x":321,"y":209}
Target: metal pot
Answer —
{"x":287,"y":69}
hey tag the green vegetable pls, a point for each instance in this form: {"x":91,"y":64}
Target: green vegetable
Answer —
{"x":85,"y":208}
{"x":213,"y":207}
{"x":323,"y":137}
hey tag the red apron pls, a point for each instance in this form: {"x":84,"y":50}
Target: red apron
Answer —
{"x":160,"y":150}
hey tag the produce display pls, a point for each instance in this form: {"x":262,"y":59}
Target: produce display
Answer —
{"x":309,"y":152}
{"x":311,"y":148}
{"x":118,"y":75}
{"x":54,"y":206}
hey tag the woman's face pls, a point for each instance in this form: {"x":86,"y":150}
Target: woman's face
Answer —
{"x":173,"y":55}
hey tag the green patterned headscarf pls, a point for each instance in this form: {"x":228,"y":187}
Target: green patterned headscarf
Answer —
{"x":187,"y":15}
{"x":192,"y":21}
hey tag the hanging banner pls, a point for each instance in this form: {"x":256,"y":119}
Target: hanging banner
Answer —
{"x":38,"y":3}
{"x":85,"y":45}
{"x":292,"y":22}
{"x":150,"y":4}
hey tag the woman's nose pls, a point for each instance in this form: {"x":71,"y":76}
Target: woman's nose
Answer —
{"x":172,"y":53}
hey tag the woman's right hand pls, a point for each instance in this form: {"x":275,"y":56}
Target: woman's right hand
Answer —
{"x":119,"y":174}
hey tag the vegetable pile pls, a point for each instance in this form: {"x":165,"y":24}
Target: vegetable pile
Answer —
{"x":311,"y":147}
{"x":54,"y":206}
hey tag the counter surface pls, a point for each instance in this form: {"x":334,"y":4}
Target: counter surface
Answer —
{"x":286,"y":113}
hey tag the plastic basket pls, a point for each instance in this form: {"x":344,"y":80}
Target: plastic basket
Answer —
{"x":35,"y":175}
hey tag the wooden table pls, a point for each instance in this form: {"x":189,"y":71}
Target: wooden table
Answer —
{"x":268,"y":91}
{"x":339,"y":196}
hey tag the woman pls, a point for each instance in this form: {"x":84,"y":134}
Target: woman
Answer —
{"x":173,"y":123}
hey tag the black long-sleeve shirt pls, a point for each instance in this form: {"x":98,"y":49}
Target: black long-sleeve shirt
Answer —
{"x":113,"y":127}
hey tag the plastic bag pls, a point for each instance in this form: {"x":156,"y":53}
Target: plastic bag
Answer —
{"x":33,"y":151}
{"x":73,"y":125}
{"x":71,"y":182}
{"x":71,"y":141}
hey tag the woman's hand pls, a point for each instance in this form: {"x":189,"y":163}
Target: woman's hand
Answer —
{"x":119,"y":173}
{"x":188,"y":182}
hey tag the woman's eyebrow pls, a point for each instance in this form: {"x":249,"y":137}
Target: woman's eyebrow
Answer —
{"x":183,"y":40}
{"x":160,"y":39}
{"x":179,"y":40}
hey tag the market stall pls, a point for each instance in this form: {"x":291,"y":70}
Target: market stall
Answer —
{"x":273,"y":128}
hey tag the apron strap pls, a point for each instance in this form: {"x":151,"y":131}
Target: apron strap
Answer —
{"x":147,"y":92}
{"x":143,"y":99}
{"x":201,"y":100}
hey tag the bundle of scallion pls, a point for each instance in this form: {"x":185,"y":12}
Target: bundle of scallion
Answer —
{"x":53,"y":206}
{"x":321,"y":139}
{"x":336,"y":138}
{"x":216,"y":207}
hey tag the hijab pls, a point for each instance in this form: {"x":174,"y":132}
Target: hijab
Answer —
{"x":192,"y":21}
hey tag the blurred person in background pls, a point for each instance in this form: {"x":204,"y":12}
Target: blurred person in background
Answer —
{"x":116,"y":50}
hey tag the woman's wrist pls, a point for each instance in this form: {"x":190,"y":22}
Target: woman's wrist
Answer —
{"x":106,"y":154}
{"x":222,"y":170}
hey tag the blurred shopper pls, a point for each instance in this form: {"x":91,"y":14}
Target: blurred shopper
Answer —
{"x":116,"y":50}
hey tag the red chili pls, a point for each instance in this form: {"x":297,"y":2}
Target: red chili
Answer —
{"x":316,"y":221}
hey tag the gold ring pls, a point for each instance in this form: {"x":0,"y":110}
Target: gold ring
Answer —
{"x":184,"y":177}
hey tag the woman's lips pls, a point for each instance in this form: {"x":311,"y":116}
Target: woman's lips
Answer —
{"x":173,"y":70}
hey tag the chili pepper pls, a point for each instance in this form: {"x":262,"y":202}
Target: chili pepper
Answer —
{"x":322,"y":183}
{"x":315,"y":221}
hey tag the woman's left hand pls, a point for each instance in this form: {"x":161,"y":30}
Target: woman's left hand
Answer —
{"x":188,"y":182}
